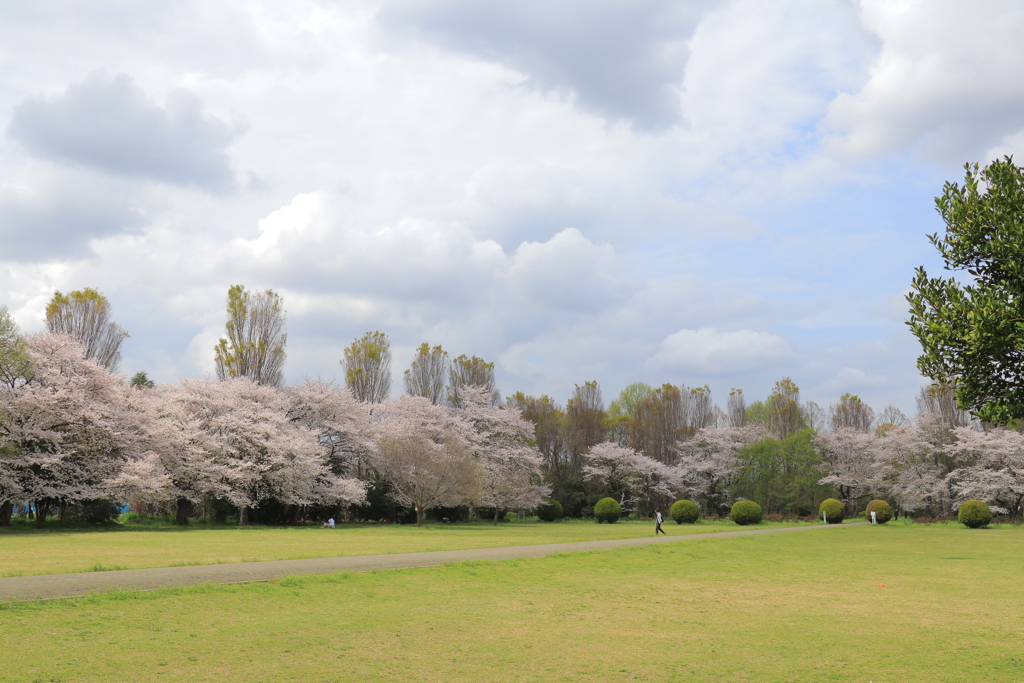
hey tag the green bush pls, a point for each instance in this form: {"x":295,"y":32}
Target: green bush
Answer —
{"x":684,"y":511}
{"x":833,"y":510}
{"x":96,"y":512}
{"x":746,"y":512}
{"x":607,"y":510}
{"x":882,"y":510}
{"x":550,"y":511}
{"x":974,"y":514}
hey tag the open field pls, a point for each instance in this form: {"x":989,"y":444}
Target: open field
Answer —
{"x":798,"y":607}
{"x":27,"y":552}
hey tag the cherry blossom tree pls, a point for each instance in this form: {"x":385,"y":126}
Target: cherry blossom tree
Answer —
{"x":501,"y":437}
{"x":423,"y":451}
{"x":179,"y":462}
{"x":849,"y":458}
{"x":341,"y":421}
{"x":709,"y":462}
{"x":630,"y":475}
{"x":909,"y":461}
{"x":257,"y":450}
{"x":992,"y":468}
{"x":65,"y":426}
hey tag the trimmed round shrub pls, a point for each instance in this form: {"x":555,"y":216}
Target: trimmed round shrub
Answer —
{"x":746,"y":512}
{"x":607,"y":510}
{"x":833,"y":510}
{"x":882,"y":510}
{"x":974,"y":514}
{"x":550,"y":511}
{"x":684,"y":511}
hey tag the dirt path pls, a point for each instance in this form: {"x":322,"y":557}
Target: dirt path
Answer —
{"x":51,"y":586}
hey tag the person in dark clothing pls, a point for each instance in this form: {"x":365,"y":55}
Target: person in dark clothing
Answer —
{"x":657,"y":523}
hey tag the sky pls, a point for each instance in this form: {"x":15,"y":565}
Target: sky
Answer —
{"x":707,"y":192}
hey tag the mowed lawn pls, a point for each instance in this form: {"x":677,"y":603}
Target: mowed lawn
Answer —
{"x":26,"y":552}
{"x":796,"y":607}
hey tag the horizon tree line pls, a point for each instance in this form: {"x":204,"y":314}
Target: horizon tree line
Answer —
{"x":648,"y":445}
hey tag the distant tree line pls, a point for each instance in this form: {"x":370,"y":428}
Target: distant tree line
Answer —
{"x":74,"y":437}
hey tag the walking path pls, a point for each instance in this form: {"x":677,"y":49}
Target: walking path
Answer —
{"x":51,"y":586}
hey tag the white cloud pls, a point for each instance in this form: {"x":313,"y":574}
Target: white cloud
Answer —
{"x":567,"y":272}
{"x":761,"y":74}
{"x":709,"y":351}
{"x":855,"y":378}
{"x":109,"y":123}
{"x":618,"y":60}
{"x":55,"y":215}
{"x":948,"y":81}
{"x":496,"y":191}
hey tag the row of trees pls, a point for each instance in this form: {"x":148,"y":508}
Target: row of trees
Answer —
{"x":449,"y":440}
{"x":772,"y":438}
{"x":72,"y":432}
{"x":69,"y":430}
{"x":925,"y":467}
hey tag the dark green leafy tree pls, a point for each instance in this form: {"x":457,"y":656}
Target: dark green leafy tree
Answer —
{"x":782,"y":474}
{"x":972,"y":332}
{"x":141,"y":380}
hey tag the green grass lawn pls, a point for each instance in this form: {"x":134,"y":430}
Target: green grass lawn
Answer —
{"x":796,"y":607}
{"x":28,"y":551}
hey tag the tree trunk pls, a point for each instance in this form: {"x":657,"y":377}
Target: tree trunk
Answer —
{"x":62,"y":510}
{"x":496,"y":510}
{"x":243,"y":516}
{"x":183,"y":511}
{"x":6,"y":508}
{"x":419,"y":516}
{"x":42,"y":510}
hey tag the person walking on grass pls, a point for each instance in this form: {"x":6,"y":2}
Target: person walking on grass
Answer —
{"x":657,"y":523}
